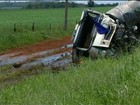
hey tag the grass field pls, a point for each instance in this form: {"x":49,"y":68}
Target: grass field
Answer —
{"x":105,"y":81}
{"x":101,"y":82}
{"x":42,"y":18}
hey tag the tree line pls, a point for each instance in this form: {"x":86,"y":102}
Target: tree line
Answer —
{"x":30,"y":0}
{"x":37,"y":5}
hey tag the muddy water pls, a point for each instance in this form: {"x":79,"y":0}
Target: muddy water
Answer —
{"x":39,"y":58}
{"x":57,"y":60}
{"x":24,"y":61}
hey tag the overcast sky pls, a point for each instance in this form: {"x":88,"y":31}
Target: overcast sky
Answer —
{"x":83,"y":1}
{"x":103,"y":1}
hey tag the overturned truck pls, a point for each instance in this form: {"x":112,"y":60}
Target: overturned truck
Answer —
{"x":105,"y":34}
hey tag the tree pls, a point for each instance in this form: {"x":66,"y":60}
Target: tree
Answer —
{"x":90,"y":3}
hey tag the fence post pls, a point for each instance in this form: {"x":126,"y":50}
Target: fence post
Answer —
{"x":15,"y":29}
{"x":33,"y":26}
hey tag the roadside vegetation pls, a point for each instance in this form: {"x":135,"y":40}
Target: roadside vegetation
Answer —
{"x":105,"y":81}
{"x":28,"y":26}
{"x":100,"y":82}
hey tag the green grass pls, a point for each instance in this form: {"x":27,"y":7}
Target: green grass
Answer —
{"x":101,"y":82}
{"x":42,"y":18}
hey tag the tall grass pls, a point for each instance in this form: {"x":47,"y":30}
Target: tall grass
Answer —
{"x":101,"y":82}
{"x":42,"y":18}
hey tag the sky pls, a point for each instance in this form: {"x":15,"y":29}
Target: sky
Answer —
{"x":85,"y":1}
{"x":103,"y":1}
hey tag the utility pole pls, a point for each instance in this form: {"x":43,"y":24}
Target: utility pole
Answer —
{"x":66,"y":15}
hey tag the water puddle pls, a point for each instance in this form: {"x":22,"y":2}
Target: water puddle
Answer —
{"x":35,"y":58}
{"x":49,"y":61}
{"x":7,"y":56}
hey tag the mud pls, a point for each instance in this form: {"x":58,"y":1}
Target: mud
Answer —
{"x":17,"y":64}
{"x":9,"y":60}
{"x":40,"y":46}
{"x":28,"y":54}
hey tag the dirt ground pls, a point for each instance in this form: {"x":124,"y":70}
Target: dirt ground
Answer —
{"x":21,"y":60}
{"x":40,"y":46}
